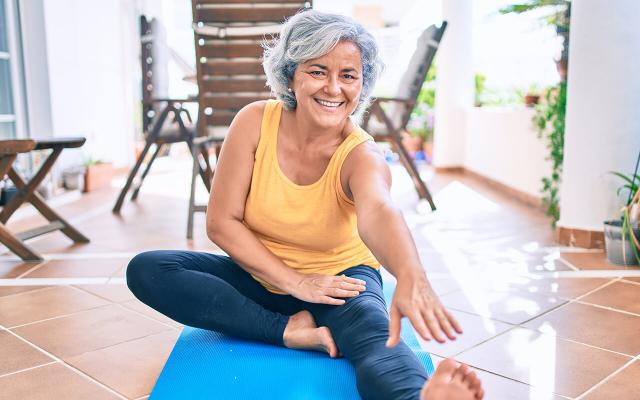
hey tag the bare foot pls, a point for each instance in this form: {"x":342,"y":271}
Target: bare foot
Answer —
{"x":452,"y":381}
{"x":302,"y":332}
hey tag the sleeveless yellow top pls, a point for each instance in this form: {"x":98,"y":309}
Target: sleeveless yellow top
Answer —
{"x":311,"y":228}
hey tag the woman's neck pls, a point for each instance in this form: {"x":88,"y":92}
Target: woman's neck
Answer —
{"x":304,"y":132}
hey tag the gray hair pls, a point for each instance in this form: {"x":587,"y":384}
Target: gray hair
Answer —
{"x":311,"y":34}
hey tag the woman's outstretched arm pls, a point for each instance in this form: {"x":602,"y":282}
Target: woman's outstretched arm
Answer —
{"x":383,"y":229}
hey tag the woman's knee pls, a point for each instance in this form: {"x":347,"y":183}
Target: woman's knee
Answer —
{"x":142,"y":267}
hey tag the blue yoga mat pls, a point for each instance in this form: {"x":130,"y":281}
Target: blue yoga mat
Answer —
{"x":209,"y":365}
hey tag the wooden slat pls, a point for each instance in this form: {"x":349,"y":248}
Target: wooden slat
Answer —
{"x":231,"y":50}
{"x":232,"y":68}
{"x":231,"y":102}
{"x":228,"y":15}
{"x":16,"y":146}
{"x":220,"y":118}
{"x":253,"y":2}
{"x":234,"y":85}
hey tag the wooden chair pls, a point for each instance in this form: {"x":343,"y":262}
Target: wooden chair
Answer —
{"x":393,"y":113}
{"x":9,"y":149}
{"x":228,"y":36}
{"x":164,"y":122}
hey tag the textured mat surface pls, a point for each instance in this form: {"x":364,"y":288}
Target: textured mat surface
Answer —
{"x":209,"y":365}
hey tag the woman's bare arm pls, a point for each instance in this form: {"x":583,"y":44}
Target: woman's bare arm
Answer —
{"x":383,"y":229}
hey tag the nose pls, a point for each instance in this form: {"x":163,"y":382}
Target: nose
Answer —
{"x":332,"y":87}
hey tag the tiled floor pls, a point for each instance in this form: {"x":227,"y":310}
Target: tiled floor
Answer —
{"x":541,"y":322}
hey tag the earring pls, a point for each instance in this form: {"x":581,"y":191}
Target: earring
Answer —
{"x":289,"y":90}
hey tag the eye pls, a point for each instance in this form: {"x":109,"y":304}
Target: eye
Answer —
{"x":316,"y":73}
{"x":349,"y":77}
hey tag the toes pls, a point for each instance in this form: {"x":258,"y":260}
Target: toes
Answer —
{"x":460,"y":374}
{"x":445,"y":370}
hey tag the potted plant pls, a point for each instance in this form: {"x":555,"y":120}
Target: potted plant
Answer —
{"x":622,"y":236}
{"x":532,"y":96}
{"x":98,"y":174}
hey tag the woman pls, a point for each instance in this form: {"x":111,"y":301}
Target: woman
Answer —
{"x":300,"y":202}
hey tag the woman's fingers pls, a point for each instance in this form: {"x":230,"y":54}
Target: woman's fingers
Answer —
{"x":433,"y":325}
{"x":445,"y":324}
{"x":452,"y":320}
{"x":350,"y":286}
{"x":333,"y":292}
{"x":330,"y":301}
{"x":418,"y":323}
{"x":354,"y":281}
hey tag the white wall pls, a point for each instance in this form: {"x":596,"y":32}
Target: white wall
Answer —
{"x":454,"y":83}
{"x":93,"y":48}
{"x":502,"y":144}
{"x":603,"y":108}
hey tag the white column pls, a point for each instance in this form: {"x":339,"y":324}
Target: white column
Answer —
{"x":454,"y":86}
{"x":603,"y":110}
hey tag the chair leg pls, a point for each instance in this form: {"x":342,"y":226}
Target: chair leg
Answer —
{"x":204,"y":150}
{"x":130,"y":178}
{"x":195,"y":171}
{"x":72,"y":233}
{"x":16,"y":246}
{"x":134,"y":196}
{"x":408,"y":164}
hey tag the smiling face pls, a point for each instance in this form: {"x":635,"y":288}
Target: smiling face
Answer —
{"x":327,"y":88}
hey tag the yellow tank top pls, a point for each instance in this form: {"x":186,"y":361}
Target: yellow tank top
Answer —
{"x":311,"y":228}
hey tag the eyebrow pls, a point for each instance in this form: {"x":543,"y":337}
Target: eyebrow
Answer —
{"x":325,"y":68}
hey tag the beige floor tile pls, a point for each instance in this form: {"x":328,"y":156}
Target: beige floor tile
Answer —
{"x":444,"y":286}
{"x":142,"y":308}
{"x":13,"y":269}
{"x":564,"y":288}
{"x":619,"y":295}
{"x":475,"y":330}
{"x":37,"y":305}
{"x":50,"y":382}
{"x":544,"y":361}
{"x":508,"y":306}
{"x":18,"y":355}
{"x":591,"y":260}
{"x":130,"y":368}
{"x":611,"y":330}
{"x":622,"y":386}
{"x":78,"y":268}
{"x":117,"y":293}
{"x":90,"y":330}
{"x":497,"y":387}
{"x":10,"y":290}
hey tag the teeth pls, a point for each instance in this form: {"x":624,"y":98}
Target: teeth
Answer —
{"x":328,"y":103}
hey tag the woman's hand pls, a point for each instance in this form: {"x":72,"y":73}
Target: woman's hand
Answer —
{"x":415,"y":299}
{"x":326,"y":289}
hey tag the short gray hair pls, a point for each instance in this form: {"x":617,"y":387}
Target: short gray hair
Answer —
{"x":311,"y":34}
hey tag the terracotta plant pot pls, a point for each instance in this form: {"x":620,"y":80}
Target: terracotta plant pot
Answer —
{"x":98,"y":176}
{"x":531,"y":99}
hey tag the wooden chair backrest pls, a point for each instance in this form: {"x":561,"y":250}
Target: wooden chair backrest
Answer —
{"x":228,"y":38}
{"x":421,"y":60}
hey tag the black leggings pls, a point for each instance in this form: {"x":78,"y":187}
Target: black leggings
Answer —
{"x":212,"y":292}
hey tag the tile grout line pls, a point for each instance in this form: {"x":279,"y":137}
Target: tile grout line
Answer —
{"x":30,"y":270}
{"x":148,"y":317}
{"x":607,"y":308}
{"x":28,"y":369}
{"x":63,"y":363}
{"x":611,"y":282}
{"x":607,"y":378}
